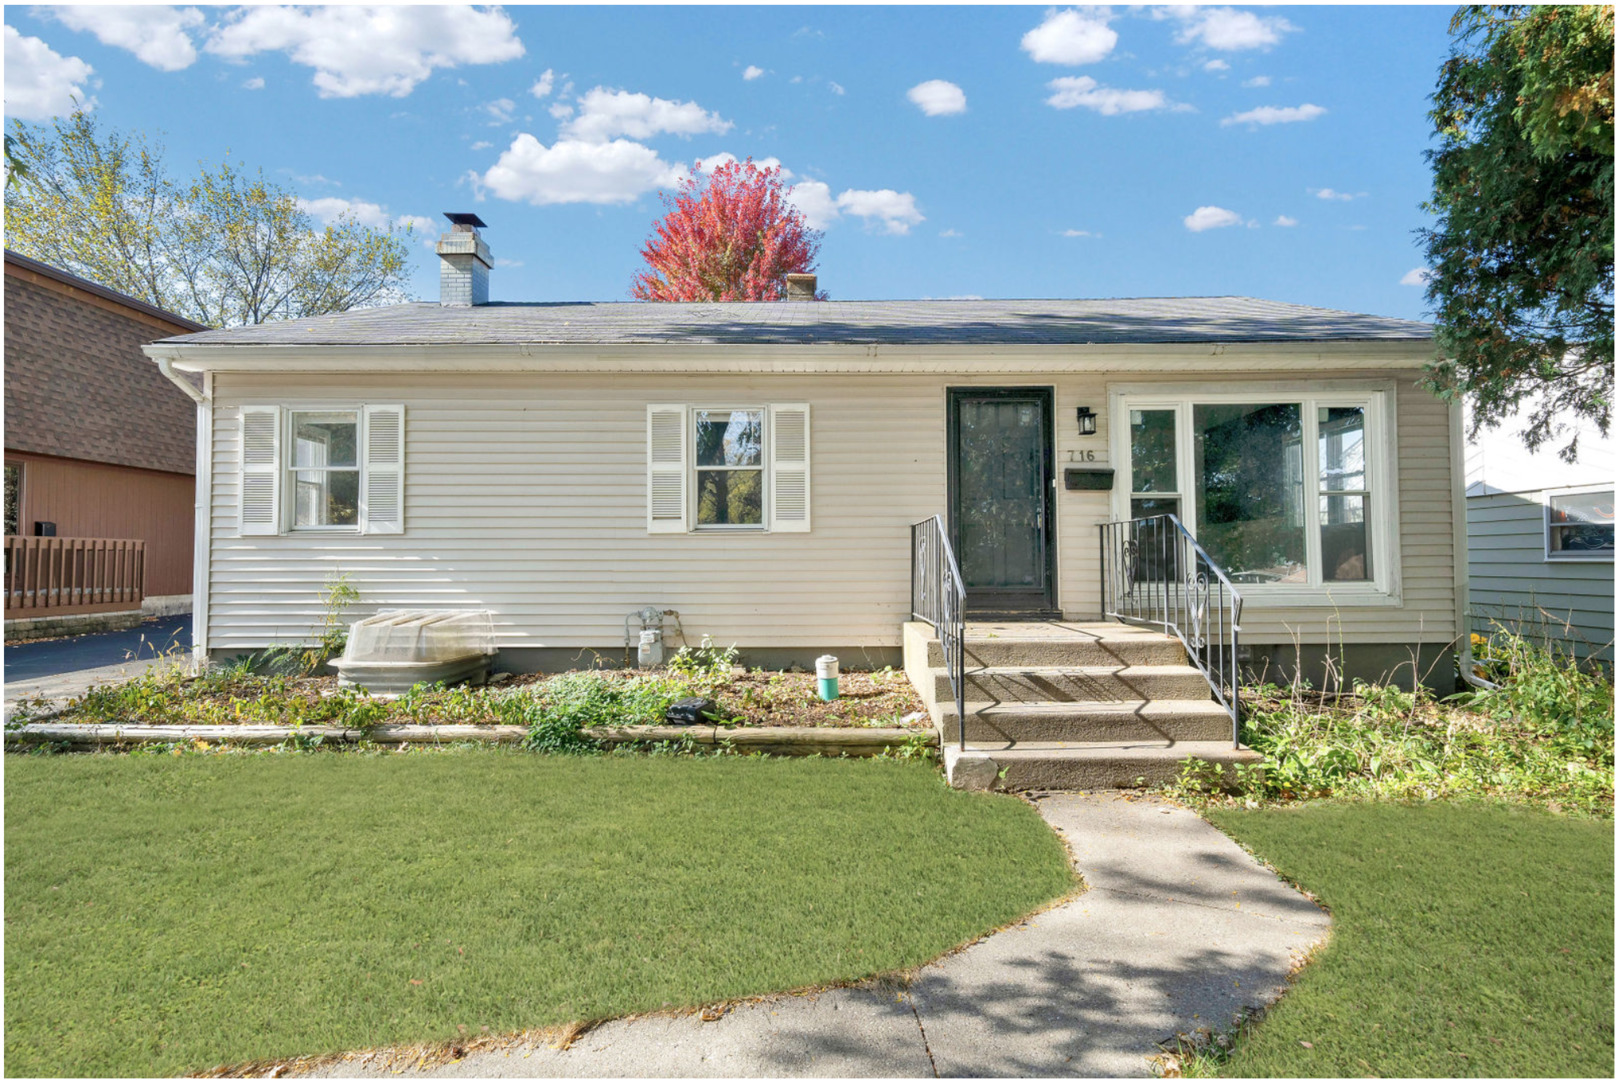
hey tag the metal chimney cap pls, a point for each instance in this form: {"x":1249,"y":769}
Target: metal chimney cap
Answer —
{"x":464,"y":219}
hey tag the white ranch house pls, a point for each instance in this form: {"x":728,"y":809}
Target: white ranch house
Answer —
{"x":757,"y":467}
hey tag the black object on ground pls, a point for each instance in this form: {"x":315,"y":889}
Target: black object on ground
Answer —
{"x":693,"y":710}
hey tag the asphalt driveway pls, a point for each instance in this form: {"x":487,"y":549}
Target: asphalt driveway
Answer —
{"x":67,"y":667}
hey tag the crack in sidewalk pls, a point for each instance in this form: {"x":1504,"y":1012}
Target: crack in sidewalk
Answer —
{"x":925,"y":1044}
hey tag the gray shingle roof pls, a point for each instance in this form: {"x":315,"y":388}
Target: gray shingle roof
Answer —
{"x":1180,"y":320}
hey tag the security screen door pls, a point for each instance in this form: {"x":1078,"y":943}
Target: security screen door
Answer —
{"x":1000,"y":505}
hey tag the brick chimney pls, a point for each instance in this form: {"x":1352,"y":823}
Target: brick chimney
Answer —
{"x":463,"y":273}
{"x":801,"y":286}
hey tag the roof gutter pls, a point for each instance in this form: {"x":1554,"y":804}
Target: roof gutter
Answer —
{"x":165,"y":364}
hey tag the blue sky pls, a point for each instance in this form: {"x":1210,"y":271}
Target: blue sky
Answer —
{"x":946,"y":151}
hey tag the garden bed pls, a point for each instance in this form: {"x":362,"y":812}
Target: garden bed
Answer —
{"x":585,"y":699}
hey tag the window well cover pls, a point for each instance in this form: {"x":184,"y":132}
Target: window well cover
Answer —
{"x":415,"y":637}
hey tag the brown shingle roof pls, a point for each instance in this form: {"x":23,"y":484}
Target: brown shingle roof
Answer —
{"x":77,"y":384}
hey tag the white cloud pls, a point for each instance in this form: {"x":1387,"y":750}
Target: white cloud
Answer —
{"x":604,"y":114}
{"x":501,"y":264}
{"x":1256,"y":81}
{"x":1070,"y":37}
{"x":481,"y":144}
{"x":836,"y":88}
{"x":1417,"y":276}
{"x":938,"y":97}
{"x":950,"y":234}
{"x":1284,"y":221}
{"x":330,"y":209}
{"x":895,"y":211}
{"x":157,"y":35}
{"x":1332,"y":195}
{"x":1229,"y":30}
{"x":1075,"y":233}
{"x":1272,"y":114}
{"x":1083,"y":91}
{"x":813,"y":199}
{"x":573,"y":171}
{"x":254,"y":83}
{"x":369,"y":50}
{"x":752,"y":72}
{"x":1212,"y":217}
{"x":1215,"y":65}
{"x":41,"y":83}
{"x":499,"y":110}
{"x":544,"y":85}
{"x":561,"y":110}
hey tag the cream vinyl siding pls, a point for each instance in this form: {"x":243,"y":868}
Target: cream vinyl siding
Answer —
{"x":526,"y":493}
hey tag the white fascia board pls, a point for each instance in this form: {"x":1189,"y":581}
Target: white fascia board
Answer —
{"x":684,"y":358}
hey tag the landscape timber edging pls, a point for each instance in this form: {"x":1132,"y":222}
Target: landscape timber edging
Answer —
{"x":854,"y":742}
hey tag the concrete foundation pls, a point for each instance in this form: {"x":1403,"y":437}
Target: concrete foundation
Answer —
{"x":520,"y":661}
{"x":1340,"y":665}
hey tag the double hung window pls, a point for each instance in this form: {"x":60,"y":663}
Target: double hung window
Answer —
{"x":325,"y":470}
{"x":1285,"y":492}
{"x":713,"y":468}
{"x":322,"y":468}
{"x":729,"y":468}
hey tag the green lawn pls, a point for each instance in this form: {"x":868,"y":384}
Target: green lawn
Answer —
{"x":167,"y":914}
{"x":1469,"y":940}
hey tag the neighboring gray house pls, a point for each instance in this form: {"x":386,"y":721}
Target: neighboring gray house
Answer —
{"x":1540,"y":537}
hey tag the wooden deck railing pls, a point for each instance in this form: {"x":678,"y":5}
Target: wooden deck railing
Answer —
{"x":72,"y":575}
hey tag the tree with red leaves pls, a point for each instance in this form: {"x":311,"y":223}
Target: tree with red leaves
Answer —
{"x":728,"y":236}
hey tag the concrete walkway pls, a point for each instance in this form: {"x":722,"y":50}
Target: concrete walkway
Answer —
{"x":1179,"y":929}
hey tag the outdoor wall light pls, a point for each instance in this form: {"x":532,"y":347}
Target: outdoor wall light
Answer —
{"x":1087,"y":422}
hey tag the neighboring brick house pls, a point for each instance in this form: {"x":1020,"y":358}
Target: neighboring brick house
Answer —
{"x":98,"y":444}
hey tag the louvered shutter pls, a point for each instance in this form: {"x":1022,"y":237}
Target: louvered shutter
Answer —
{"x":260,"y":470}
{"x":384,"y":468}
{"x":666,"y":507}
{"x":789,"y":460}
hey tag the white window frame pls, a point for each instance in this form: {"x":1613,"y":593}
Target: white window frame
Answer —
{"x":1552,"y":556}
{"x":1378,"y":400}
{"x":290,"y":468}
{"x":765,"y":465}
{"x":380,"y":470}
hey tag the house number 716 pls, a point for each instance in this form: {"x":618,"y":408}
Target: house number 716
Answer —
{"x":1082,"y":455}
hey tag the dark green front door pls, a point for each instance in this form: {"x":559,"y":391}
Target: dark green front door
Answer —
{"x":1001,"y":511}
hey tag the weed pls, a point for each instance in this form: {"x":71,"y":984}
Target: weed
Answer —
{"x":1544,"y":736}
{"x":916,"y":746}
{"x":706,"y":667}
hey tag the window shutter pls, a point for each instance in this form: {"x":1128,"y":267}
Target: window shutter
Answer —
{"x":666,"y":507}
{"x":789,"y":505}
{"x":384,"y":468}
{"x":260,"y":470}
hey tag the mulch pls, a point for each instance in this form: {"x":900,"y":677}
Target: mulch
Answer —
{"x":749,"y":698}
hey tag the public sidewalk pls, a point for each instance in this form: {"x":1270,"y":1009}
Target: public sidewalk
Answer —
{"x":1179,"y":929}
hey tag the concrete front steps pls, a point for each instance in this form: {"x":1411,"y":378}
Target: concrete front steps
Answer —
{"x":1068,"y":705}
